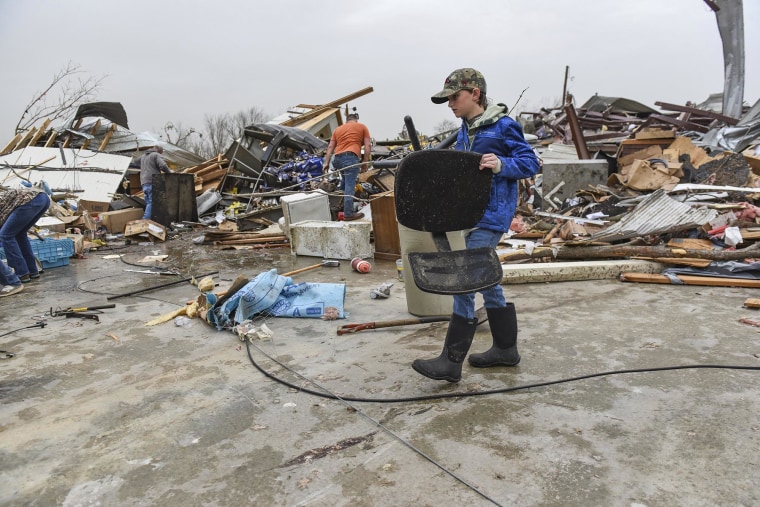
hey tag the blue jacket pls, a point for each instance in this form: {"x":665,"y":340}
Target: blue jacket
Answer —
{"x":495,"y":132}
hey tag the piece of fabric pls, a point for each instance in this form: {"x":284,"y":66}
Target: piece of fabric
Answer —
{"x":495,"y":132}
{"x":13,"y":198}
{"x":309,"y":300}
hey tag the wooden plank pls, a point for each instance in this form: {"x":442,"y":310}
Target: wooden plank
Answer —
{"x":39,"y":133}
{"x":699,"y":112}
{"x":51,"y":138}
{"x":752,"y":303}
{"x":324,"y":107}
{"x":107,"y":138}
{"x":70,"y":136}
{"x":94,"y":129}
{"x":573,"y":271}
{"x":11,"y":144}
{"x":712,"y":281}
{"x":27,"y":137}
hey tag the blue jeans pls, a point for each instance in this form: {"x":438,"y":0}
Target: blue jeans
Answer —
{"x":464,"y":304}
{"x":18,"y":249}
{"x":348,"y":180}
{"x":148,"y":198}
{"x":8,"y":277}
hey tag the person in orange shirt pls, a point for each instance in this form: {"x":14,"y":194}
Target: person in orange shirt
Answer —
{"x":346,"y":142}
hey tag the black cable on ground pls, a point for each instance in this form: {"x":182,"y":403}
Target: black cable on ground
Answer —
{"x":40,"y":324}
{"x":480,"y":393}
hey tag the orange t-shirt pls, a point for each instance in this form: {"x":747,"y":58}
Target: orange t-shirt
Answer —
{"x":350,"y":137}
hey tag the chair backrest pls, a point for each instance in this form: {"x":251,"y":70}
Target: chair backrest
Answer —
{"x":441,"y":190}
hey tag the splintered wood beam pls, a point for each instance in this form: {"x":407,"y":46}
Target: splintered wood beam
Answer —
{"x":324,"y":107}
{"x":107,"y":138}
{"x":577,"y":132}
{"x":618,"y":251}
{"x":27,"y":137}
{"x":36,"y":137}
{"x":51,"y":138}
{"x":94,"y":129}
{"x":713,"y":281}
{"x":11,"y":144}
{"x":729,"y":120}
{"x":70,"y":136}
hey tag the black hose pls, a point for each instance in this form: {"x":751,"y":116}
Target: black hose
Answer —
{"x":481,"y":393}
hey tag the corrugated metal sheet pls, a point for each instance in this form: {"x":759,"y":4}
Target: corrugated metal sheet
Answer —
{"x":89,"y":175}
{"x":656,"y":214}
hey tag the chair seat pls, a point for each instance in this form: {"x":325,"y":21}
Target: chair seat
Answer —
{"x":439,"y":191}
{"x":456,"y":271}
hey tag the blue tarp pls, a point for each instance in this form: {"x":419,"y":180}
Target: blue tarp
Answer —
{"x":278,"y":296}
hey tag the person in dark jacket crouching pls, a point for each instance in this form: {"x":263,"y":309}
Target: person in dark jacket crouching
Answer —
{"x":488,"y":130}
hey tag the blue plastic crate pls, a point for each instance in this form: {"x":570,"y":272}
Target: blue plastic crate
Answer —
{"x":51,"y":253}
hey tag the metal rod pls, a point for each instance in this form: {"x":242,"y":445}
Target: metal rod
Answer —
{"x":159,"y":286}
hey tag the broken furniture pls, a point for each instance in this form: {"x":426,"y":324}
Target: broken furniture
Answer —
{"x":438,"y":191}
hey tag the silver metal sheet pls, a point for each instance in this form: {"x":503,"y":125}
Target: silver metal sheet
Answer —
{"x":656,"y":214}
{"x":90,"y":175}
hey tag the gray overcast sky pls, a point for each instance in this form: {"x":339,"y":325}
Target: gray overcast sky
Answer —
{"x":177,"y":61}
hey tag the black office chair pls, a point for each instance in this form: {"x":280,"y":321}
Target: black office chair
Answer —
{"x":438,"y":191}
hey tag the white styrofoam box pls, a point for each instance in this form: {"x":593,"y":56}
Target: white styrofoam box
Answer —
{"x":331,"y":240}
{"x":306,"y":206}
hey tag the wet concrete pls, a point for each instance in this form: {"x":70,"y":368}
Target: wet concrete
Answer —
{"x":117,"y":413}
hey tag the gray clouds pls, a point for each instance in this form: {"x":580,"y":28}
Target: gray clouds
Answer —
{"x":178,"y":61}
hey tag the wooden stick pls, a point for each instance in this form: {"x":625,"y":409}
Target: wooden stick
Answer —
{"x":713,"y":281}
{"x":613,"y":251}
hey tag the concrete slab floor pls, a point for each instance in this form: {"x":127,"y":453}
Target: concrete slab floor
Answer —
{"x":117,"y":413}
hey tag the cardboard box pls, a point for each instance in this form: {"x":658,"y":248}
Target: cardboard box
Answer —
{"x":753,"y":159}
{"x":116,"y":221}
{"x":52,"y":224}
{"x":149,"y":227}
{"x":94,"y":207}
{"x":78,"y":240}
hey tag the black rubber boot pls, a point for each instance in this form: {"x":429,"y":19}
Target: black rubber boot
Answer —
{"x":448,"y":366}
{"x":503,"y":352}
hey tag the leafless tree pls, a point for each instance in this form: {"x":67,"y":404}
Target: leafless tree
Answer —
{"x":220,"y":130}
{"x":65,"y":92}
{"x":178,"y":135}
{"x":445,"y":126}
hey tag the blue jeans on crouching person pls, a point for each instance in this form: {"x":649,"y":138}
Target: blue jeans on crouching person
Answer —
{"x":8,"y":277}
{"x":15,"y":242}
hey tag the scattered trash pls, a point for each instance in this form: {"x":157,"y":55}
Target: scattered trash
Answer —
{"x":381,"y":292}
{"x":182,"y":321}
{"x":248,"y":330}
{"x":360,"y":265}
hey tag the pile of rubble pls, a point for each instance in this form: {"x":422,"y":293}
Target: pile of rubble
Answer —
{"x":678,"y":191}
{"x":619,"y":180}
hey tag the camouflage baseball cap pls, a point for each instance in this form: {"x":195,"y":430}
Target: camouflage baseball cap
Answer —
{"x":460,"y":79}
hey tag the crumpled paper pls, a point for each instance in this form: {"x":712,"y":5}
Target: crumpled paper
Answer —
{"x":381,"y":292}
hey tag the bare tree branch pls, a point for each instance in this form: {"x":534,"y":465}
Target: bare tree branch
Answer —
{"x":70,"y":95}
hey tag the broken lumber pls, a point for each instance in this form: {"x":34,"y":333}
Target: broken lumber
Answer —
{"x":713,"y":281}
{"x":574,"y":271}
{"x":651,"y":252}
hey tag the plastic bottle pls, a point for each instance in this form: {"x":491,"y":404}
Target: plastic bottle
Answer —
{"x":360,"y":265}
